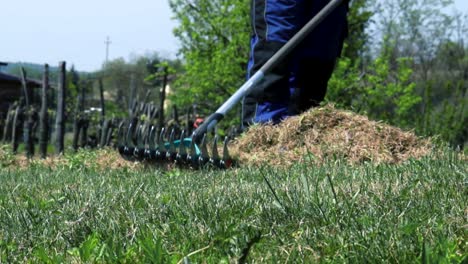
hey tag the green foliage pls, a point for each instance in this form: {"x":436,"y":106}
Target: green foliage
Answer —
{"x":389,"y":94}
{"x":331,"y":213}
{"x":383,"y":92}
{"x":119,"y":76}
{"x":447,"y":115}
{"x":416,"y":76}
{"x":359,"y":19}
{"x":214,"y":37}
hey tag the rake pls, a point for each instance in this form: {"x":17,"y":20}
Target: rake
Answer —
{"x":143,"y":143}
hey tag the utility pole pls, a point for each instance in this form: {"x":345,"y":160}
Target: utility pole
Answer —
{"x":107,"y":42}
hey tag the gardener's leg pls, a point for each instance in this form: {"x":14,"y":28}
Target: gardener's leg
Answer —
{"x":316,"y":57}
{"x":274,"y":22}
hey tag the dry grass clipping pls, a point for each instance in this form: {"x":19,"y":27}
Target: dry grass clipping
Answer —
{"x":327,"y":132}
{"x":103,"y":159}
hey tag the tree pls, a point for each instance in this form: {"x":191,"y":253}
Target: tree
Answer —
{"x":417,"y":75}
{"x":125,"y":81}
{"x":359,"y":19}
{"x":214,"y":37}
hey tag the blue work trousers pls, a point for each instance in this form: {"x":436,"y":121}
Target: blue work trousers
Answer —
{"x":300,"y":81}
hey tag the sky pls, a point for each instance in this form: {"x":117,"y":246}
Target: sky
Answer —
{"x":49,"y":31}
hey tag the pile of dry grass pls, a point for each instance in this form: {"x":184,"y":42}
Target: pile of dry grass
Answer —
{"x":327,"y":132}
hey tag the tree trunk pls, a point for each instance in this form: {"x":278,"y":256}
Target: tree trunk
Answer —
{"x":44,"y":115}
{"x":60,"y":118}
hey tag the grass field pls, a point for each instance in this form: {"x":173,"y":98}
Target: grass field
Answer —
{"x":332,"y":213}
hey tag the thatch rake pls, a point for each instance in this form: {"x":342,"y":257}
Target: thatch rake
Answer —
{"x":143,"y":144}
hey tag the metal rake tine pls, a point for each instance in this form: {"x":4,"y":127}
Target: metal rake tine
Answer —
{"x":127,"y":149}
{"x":215,"y":160}
{"x":181,"y":157}
{"x":121,"y":134}
{"x":171,"y":141}
{"x":182,"y":147}
{"x":204,"y":156}
{"x":226,"y":155}
{"x":227,"y":161}
{"x":214,"y":149}
{"x":140,"y":136}
{"x":139,"y":151}
{"x":161,"y":144}
{"x":129,"y":138}
{"x":171,"y":154}
{"x":151,"y":137}
{"x":150,"y":150}
{"x":160,"y":153}
{"x":192,"y":155}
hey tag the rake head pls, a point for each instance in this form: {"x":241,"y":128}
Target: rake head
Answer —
{"x":148,"y":144}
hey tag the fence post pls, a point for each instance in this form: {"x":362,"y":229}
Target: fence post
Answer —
{"x":103,"y":106}
{"x":29,"y":113}
{"x":16,"y":125}
{"x":8,"y":120}
{"x":60,"y":118}
{"x":44,"y":115}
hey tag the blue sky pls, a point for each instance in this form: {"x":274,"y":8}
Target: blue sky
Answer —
{"x":49,"y":31}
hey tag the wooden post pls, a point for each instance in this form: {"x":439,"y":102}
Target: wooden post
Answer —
{"x":15,"y":128}
{"x":8,"y":123}
{"x":44,"y":115}
{"x":28,"y":120}
{"x":103,"y":106}
{"x":24,"y":83}
{"x":60,"y":118}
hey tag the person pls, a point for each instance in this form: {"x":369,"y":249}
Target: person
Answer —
{"x":299,"y":82}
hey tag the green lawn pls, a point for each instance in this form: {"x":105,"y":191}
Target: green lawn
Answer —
{"x":414,"y":212}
